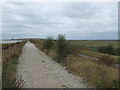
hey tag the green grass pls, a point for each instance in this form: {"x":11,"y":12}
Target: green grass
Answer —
{"x":93,"y":48}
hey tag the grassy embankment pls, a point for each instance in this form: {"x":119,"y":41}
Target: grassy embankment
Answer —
{"x":96,"y":74}
{"x":10,"y":55}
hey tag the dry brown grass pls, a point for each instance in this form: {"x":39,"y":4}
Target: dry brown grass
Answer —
{"x":107,"y":60}
{"x":10,"y":57}
{"x":93,"y":73}
{"x":52,"y":53}
{"x":100,"y":55}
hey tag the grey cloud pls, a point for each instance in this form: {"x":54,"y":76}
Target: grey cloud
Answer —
{"x":76,"y":20}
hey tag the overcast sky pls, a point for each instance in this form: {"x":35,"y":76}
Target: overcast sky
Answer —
{"x":76,"y":20}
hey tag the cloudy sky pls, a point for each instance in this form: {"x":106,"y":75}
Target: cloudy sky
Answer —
{"x":77,"y":20}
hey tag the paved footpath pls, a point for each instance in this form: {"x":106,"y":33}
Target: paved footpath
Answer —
{"x":40,"y":71}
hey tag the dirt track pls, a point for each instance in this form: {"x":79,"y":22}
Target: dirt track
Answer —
{"x":40,"y":71}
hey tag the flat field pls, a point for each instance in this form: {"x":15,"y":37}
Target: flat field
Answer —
{"x":94,"y":42}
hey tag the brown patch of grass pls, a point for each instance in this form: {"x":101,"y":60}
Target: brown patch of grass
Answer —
{"x":94,"y":73}
{"x":52,"y":53}
{"x":100,"y":55}
{"x":107,"y":59}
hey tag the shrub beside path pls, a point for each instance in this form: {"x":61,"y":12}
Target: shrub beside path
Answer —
{"x":40,"y":71}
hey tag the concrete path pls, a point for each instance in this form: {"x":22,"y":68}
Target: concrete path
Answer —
{"x":40,"y":71}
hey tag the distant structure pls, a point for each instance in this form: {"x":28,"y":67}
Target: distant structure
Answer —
{"x":12,"y":38}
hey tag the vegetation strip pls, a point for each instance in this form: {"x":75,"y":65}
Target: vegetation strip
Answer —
{"x":10,"y":55}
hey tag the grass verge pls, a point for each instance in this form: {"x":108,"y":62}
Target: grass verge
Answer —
{"x":98,"y":75}
{"x":10,"y":55}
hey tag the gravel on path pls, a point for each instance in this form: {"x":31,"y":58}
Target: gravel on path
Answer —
{"x":40,"y":71}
